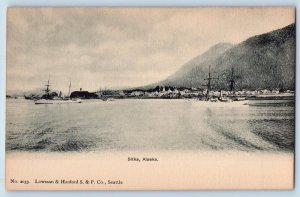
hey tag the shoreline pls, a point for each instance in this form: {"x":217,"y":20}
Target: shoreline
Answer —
{"x":256,"y":97}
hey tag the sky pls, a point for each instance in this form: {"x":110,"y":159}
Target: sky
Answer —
{"x":101,"y":48}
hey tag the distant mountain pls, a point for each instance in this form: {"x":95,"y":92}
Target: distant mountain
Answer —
{"x":265,"y":61}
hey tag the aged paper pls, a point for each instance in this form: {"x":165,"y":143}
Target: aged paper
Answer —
{"x":150,"y":98}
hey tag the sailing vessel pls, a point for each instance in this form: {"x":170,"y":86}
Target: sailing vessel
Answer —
{"x":52,"y":97}
{"x":220,"y":101}
{"x":208,"y":97}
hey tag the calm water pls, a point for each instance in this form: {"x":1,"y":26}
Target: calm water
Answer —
{"x":149,"y":125}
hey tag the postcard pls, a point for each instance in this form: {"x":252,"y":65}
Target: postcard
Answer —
{"x":198,"y":98}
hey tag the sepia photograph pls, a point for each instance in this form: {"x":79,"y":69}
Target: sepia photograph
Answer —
{"x":140,"y":98}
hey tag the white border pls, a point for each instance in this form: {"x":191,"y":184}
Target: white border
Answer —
{"x":153,"y":3}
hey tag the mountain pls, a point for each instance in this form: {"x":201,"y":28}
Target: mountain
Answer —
{"x":264,"y":61}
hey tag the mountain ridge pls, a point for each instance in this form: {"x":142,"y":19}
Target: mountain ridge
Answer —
{"x":265,"y":61}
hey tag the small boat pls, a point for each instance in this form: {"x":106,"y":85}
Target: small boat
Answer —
{"x":239,"y":99}
{"x":224,"y":99}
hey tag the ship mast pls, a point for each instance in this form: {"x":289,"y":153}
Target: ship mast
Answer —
{"x":47,"y":89}
{"x":232,"y":81}
{"x":208,"y":85}
{"x":69,"y":89}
